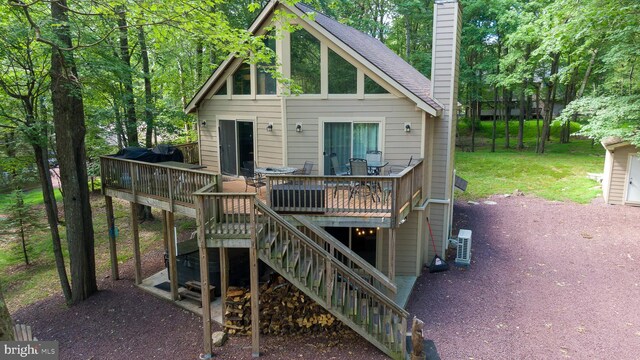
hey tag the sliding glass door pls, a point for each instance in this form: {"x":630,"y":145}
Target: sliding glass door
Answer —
{"x":348,"y":140}
{"x":236,"y":145}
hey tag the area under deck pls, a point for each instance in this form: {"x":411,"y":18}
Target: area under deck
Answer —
{"x":405,"y":286}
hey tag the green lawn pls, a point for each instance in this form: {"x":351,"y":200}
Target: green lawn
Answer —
{"x":558,"y":174}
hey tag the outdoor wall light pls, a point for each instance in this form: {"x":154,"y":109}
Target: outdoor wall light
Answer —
{"x":298,"y":127}
{"x":270,"y":127}
{"x":407,"y":127}
{"x":204,"y":123}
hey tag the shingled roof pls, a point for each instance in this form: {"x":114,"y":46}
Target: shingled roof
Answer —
{"x":377,"y":54}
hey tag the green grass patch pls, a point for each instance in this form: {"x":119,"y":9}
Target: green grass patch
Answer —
{"x":558,"y":174}
{"x":31,"y":198}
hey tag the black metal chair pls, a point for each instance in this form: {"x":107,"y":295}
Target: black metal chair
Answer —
{"x":359,"y":168}
{"x":250,"y":179}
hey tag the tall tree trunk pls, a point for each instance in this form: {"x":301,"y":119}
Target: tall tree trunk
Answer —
{"x":127,"y":79}
{"x":6,"y":325}
{"x":495,"y":119}
{"x":474,"y":115}
{"x":23,"y":241}
{"x":199,"y":57}
{"x":148,"y":96}
{"x":145,"y":211}
{"x":506,"y":113}
{"x":120,"y":135}
{"x":537,"y":118}
{"x":583,"y":85}
{"x":68,"y":118}
{"x":407,"y":38}
{"x":51,"y":210}
{"x":549,"y":103}
{"x":521,"y":101}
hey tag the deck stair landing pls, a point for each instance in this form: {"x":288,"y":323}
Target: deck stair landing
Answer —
{"x":329,"y":273}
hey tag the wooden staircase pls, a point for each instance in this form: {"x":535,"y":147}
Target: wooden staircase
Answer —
{"x":319,"y":265}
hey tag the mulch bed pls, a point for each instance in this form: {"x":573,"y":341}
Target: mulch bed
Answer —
{"x":548,"y":280}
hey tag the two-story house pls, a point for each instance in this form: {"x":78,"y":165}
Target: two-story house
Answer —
{"x":354,"y":242}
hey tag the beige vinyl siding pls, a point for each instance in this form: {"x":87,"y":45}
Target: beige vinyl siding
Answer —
{"x":263,"y":111}
{"x":397,"y":145}
{"x":407,"y":238}
{"x":407,"y":245}
{"x":619,"y":173}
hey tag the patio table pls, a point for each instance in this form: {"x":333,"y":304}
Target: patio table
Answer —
{"x":275,"y":170}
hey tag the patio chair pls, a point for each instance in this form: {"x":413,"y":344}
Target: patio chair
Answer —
{"x":373,"y":156}
{"x":306,"y":169}
{"x":359,"y":168}
{"x":251,"y":180}
{"x":336,"y":168}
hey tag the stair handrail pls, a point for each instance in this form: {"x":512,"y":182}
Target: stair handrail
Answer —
{"x":348,"y":253}
{"x":334,"y":262}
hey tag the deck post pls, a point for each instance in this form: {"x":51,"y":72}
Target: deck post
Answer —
{"x":392,"y":253}
{"x":253,"y":259}
{"x":165,"y":232}
{"x":173,"y":268}
{"x":108,"y":202}
{"x":204,"y":276}
{"x":224,"y":278}
{"x":136,"y":242}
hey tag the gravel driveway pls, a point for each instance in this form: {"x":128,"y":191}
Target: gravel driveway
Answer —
{"x":547,"y":281}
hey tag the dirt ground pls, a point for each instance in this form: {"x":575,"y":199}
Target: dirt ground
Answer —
{"x":548,"y":280}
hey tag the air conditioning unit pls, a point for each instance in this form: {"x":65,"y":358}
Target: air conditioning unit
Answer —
{"x":463,"y":253}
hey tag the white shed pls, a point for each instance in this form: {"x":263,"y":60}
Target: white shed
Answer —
{"x":621,"y":179}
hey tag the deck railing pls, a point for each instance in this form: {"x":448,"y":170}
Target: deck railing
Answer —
{"x":190,"y":151}
{"x":154,"y":180}
{"x":347,"y":195}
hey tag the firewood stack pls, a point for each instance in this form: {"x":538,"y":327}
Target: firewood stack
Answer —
{"x":284,"y":309}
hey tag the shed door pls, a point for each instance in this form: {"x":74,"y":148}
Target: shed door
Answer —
{"x":633,"y":187}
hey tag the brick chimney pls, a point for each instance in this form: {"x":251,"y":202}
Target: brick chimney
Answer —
{"x":447,"y":26}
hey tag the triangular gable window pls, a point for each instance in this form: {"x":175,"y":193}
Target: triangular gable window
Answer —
{"x":343,"y":77}
{"x":372,"y":87}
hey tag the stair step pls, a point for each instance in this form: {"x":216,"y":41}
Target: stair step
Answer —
{"x":317,"y":278}
{"x":306,"y":268}
{"x":269,"y":239}
{"x":293,"y":260}
{"x":282,"y":249}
